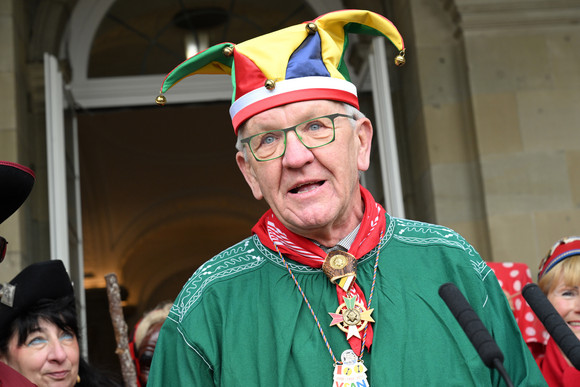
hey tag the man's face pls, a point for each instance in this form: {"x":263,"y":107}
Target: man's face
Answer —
{"x":313,"y":192}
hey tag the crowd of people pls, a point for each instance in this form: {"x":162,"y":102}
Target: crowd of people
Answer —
{"x":329,"y":288}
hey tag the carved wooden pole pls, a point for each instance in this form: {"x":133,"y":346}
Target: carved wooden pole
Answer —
{"x":121,"y":331}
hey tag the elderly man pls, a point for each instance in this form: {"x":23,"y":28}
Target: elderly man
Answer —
{"x":329,"y":289}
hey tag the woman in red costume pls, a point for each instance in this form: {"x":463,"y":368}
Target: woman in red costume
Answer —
{"x":559,"y":279}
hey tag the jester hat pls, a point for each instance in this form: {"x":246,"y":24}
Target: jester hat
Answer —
{"x":297,"y":63}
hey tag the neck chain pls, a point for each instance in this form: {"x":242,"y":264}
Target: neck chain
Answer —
{"x":336,"y":362}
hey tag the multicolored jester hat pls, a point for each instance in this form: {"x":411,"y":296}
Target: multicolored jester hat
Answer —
{"x":297,"y":63}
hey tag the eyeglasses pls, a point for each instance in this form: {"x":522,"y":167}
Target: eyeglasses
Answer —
{"x":3,"y":244}
{"x":313,"y":133}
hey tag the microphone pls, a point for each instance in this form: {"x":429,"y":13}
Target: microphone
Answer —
{"x":473,"y":327}
{"x":553,"y":322}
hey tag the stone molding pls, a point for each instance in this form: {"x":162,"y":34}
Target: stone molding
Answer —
{"x":481,"y":16}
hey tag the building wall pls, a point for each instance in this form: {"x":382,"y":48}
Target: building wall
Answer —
{"x":524,"y":62}
{"x":491,"y":121}
{"x":13,"y":144}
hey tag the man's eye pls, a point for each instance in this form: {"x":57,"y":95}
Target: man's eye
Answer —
{"x":269,"y":138}
{"x":314,"y":126}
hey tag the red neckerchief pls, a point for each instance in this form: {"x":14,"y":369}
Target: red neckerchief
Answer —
{"x":555,"y":368}
{"x":272,"y":233}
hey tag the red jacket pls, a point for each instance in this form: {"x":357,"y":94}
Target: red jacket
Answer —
{"x":556,"y":369}
{"x":9,"y":377}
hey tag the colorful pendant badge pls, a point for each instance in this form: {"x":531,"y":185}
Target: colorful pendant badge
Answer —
{"x":351,"y":317}
{"x":352,"y":371}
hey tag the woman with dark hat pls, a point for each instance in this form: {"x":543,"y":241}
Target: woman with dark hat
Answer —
{"x":39,"y":330}
{"x":38,"y":323}
{"x":559,"y":279}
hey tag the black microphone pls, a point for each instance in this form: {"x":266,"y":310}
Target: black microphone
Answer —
{"x":553,"y":322}
{"x":473,"y":327}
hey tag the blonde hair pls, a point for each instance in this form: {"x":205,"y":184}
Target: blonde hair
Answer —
{"x":567,"y":271}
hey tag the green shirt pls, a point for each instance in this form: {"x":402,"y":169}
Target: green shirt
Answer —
{"x":240,"y":320}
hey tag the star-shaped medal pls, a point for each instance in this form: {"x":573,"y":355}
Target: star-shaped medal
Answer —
{"x":351,"y":317}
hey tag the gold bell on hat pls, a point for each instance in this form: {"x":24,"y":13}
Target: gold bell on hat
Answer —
{"x":228,"y":51}
{"x":270,"y":84}
{"x":400,"y":59}
{"x":160,"y":100}
{"x":311,"y":28}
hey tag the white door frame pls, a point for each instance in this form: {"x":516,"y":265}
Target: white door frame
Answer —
{"x":60,"y":226}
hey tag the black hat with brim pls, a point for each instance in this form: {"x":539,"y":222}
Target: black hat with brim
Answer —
{"x":16,"y":182}
{"x":46,"y":280}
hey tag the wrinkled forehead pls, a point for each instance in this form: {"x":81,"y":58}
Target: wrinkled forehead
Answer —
{"x":285,"y":116}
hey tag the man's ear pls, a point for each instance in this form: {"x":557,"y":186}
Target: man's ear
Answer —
{"x":249,"y":175}
{"x":364,"y":133}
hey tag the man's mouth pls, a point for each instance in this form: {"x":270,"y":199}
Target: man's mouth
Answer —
{"x":302,"y":188}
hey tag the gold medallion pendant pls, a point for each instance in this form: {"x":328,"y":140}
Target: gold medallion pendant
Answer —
{"x":340,"y":268}
{"x":351,"y":317}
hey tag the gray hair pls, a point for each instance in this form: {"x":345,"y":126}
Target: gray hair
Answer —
{"x":348,"y":109}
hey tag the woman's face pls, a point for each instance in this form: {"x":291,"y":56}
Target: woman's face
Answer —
{"x":566,"y":300}
{"x":49,"y":356}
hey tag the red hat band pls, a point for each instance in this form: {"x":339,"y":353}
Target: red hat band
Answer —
{"x":564,"y":248}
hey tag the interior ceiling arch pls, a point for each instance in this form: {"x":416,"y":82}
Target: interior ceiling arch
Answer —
{"x":154,"y":170}
{"x":178,"y":248}
{"x":109,"y":38}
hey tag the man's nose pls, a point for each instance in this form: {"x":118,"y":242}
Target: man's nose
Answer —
{"x":296,"y":153}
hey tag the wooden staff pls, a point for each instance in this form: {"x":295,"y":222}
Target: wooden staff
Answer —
{"x":121,"y":331}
